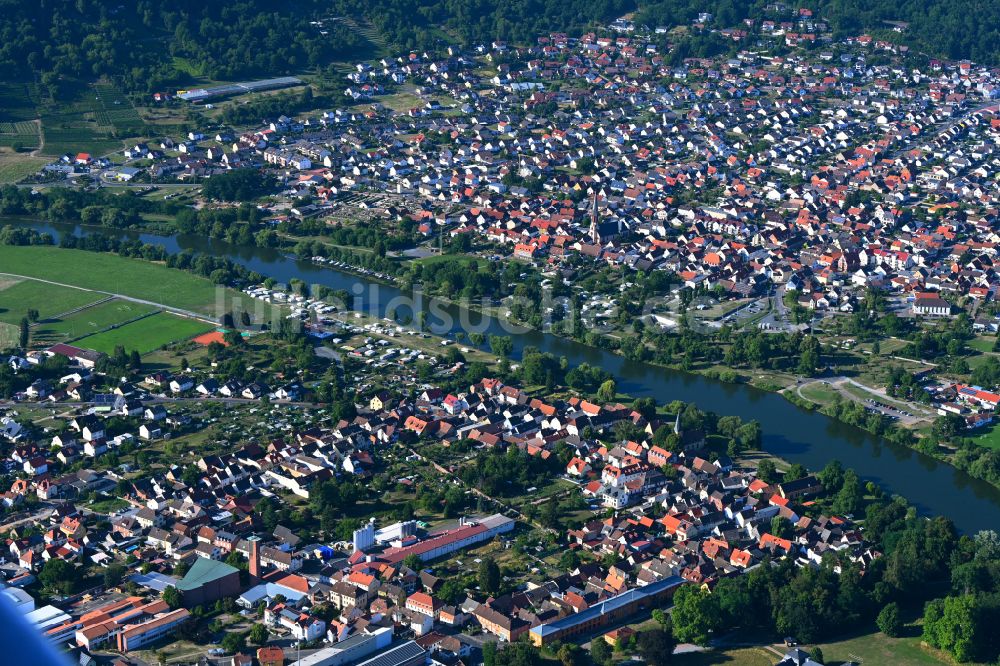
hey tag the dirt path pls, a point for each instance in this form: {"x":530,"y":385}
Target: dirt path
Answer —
{"x":109,"y":294}
{"x":61,"y":315}
{"x":37,"y":152}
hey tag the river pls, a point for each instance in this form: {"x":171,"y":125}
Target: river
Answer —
{"x":793,"y":433}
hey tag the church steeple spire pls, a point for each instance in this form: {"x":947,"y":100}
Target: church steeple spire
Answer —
{"x":595,"y":233}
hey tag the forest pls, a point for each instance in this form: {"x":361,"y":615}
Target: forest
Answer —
{"x":817,"y":604}
{"x":424,"y":23}
{"x":148,"y":46}
{"x":955,"y":29}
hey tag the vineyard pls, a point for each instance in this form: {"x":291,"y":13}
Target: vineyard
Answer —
{"x":97,"y":120}
{"x":21,"y":135}
{"x":113,"y":110}
{"x":17,"y":114}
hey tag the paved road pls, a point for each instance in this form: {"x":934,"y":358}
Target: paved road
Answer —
{"x":68,"y":182}
{"x":33,"y":518}
{"x":166,"y":399}
{"x":918,"y":414}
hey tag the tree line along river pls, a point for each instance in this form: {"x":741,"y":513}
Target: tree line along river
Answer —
{"x":790,"y":432}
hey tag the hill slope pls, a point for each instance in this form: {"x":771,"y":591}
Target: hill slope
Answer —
{"x":955,"y":29}
{"x":147,"y":45}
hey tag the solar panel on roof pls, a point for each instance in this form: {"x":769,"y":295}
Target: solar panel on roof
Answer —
{"x":400,"y":654}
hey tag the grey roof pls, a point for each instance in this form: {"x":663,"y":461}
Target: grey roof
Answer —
{"x":608,"y":605}
{"x":395,"y":656}
{"x":153,"y":580}
{"x":238,"y":88}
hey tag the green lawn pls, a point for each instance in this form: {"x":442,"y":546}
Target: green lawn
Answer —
{"x":465,"y":260}
{"x":988,"y":437}
{"x":977,"y":360}
{"x":983,"y":343}
{"x":733,"y":657}
{"x":108,"y":505}
{"x":9,"y":335}
{"x":818,"y":392}
{"x":107,"y":272}
{"x":90,"y":320}
{"x":18,"y":296}
{"x":877,"y":648}
{"x":873,"y":648}
{"x":146,"y":334}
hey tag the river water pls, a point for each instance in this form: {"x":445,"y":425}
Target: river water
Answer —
{"x":790,"y":432}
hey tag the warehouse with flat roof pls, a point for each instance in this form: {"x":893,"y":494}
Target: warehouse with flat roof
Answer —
{"x":469,"y":533}
{"x":404,"y":654}
{"x":201,"y":94}
{"x":349,"y":650}
{"x":607,"y":612}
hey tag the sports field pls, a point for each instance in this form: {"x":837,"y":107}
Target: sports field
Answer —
{"x":134,"y":278}
{"x":89,"y":320}
{"x":146,"y":334}
{"x":19,"y":296}
{"x":212,"y":336}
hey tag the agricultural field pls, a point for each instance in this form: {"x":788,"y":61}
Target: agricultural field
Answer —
{"x":18,"y":115}
{"x":16,"y":102}
{"x":20,"y":135}
{"x":15,"y":166}
{"x":90,"y":320}
{"x":19,"y":296}
{"x":134,"y":278}
{"x":146,"y":334}
{"x":97,"y":119}
{"x":19,"y":132}
{"x":113,"y":109}
{"x":72,"y":135}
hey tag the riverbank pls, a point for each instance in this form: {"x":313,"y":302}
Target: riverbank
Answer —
{"x":900,"y":422}
{"x":911,"y":434}
{"x":799,"y":435}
